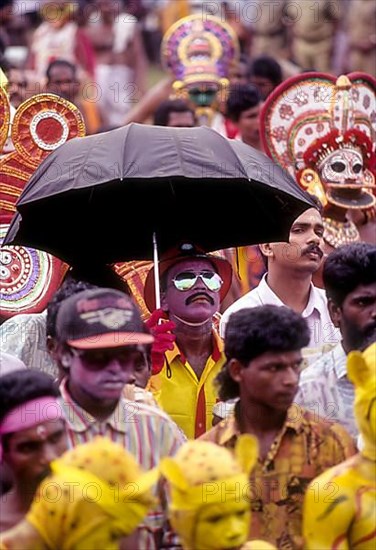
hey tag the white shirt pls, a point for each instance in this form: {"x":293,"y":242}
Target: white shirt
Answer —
{"x":323,"y":332}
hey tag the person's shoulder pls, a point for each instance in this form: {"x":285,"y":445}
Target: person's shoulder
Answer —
{"x":327,"y":430}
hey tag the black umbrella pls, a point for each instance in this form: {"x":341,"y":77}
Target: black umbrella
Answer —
{"x":103,"y":197}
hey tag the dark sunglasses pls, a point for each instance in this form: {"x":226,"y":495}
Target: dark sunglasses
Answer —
{"x":101,"y":357}
{"x":187,"y":279}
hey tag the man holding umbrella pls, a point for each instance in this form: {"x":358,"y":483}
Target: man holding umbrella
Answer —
{"x":192,"y":286}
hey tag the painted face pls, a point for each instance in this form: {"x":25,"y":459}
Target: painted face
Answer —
{"x":199,"y":303}
{"x":30,"y":451}
{"x":223,"y":525}
{"x":271,"y":379}
{"x":101,"y":374}
{"x":357,"y":317}
{"x":305,"y":249}
{"x":344,"y":166}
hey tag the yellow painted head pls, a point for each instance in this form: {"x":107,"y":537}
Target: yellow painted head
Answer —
{"x":361,"y":368}
{"x":210,"y":507}
{"x":95,"y":495}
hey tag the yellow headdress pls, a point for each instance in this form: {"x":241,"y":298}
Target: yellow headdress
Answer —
{"x":201,"y":474}
{"x":361,"y":368}
{"x":96,"y":495}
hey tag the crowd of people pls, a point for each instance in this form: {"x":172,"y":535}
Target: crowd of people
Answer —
{"x":233,"y":404}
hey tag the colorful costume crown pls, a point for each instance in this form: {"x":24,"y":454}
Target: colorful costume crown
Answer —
{"x":314,"y":125}
{"x":41,"y":124}
{"x":199,"y":51}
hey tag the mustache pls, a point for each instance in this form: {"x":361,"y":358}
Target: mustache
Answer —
{"x":313,"y":248}
{"x":191,"y":298}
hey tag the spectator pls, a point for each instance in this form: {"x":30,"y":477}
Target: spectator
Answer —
{"x":288,"y":281}
{"x":243,"y":109}
{"x":263,"y":360}
{"x":32,"y":432}
{"x":350,"y":284}
{"x":174,"y":112}
{"x":102,"y":340}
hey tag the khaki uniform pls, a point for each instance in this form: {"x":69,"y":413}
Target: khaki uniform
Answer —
{"x":269,"y":32}
{"x":313,"y":29}
{"x":361,"y":29}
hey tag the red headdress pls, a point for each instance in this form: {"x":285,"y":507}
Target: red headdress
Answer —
{"x":322,"y":130}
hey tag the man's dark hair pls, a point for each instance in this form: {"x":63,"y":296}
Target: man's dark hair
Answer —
{"x":346,"y":268}
{"x":60,"y":63}
{"x":241,"y":98}
{"x":250,"y":332}
{"x":162,"y":112}
{"x":21,"y":386}
{"x":267,"y":67}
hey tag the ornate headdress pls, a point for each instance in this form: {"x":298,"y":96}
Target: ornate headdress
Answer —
{"x":199,"y":53}
{"x":322,"y":130}
{"x":41,"y":124}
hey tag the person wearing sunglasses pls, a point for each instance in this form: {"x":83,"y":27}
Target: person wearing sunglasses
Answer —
{"x":190,"y":351}
{"x":101,"y":342}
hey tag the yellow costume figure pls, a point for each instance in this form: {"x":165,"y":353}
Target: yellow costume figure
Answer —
{"x":210,"y":490}
{"x":96,"y":495}
{"x":340,"y":504}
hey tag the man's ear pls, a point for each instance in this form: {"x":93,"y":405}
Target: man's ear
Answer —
{"x":235,"y":368}
{"x":51,"y":345}
{"x":266,"y":250}
{"x":334,"y":313}
{"x":65,"y":358}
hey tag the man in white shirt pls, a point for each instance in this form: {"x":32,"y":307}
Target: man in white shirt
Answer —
{"x":350,"y":282}
{"x":288,"y":282}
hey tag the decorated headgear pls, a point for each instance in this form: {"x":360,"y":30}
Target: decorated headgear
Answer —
{"x":322,"y":130}
{"x":361,"y":369}
{"x":42,"y":123}
{"x":96,"y":494}
{"x":186,"y":251}
{"x":203,"y":473}
{"x":199,"y":51}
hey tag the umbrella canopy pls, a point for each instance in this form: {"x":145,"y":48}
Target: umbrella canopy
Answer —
{"x":102,"y":197}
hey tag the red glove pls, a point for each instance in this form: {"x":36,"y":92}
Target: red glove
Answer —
{"x":163,"y":339}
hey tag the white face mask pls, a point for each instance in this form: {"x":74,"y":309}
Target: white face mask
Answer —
{"x":344,"y":166}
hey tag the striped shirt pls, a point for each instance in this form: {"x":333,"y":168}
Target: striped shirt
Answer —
{"x":145,"y":431}
{"x":325,"y":390}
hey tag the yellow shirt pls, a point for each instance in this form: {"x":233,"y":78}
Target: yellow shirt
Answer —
{"x":188,"y":400}
{"x":304,"y":448}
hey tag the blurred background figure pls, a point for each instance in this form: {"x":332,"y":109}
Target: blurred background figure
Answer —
{"x":60,"y":36}
{"x":243,"y":109}
{"x":122,"y":64}
{"x":174,"y":112}
{"x":266,"y":74}
{"x":62,"y":79}
{"x":361,"y":31}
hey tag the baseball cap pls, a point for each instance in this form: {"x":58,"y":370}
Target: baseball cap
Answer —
{"x":182,"y":252}
{"x":100,"y":318}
